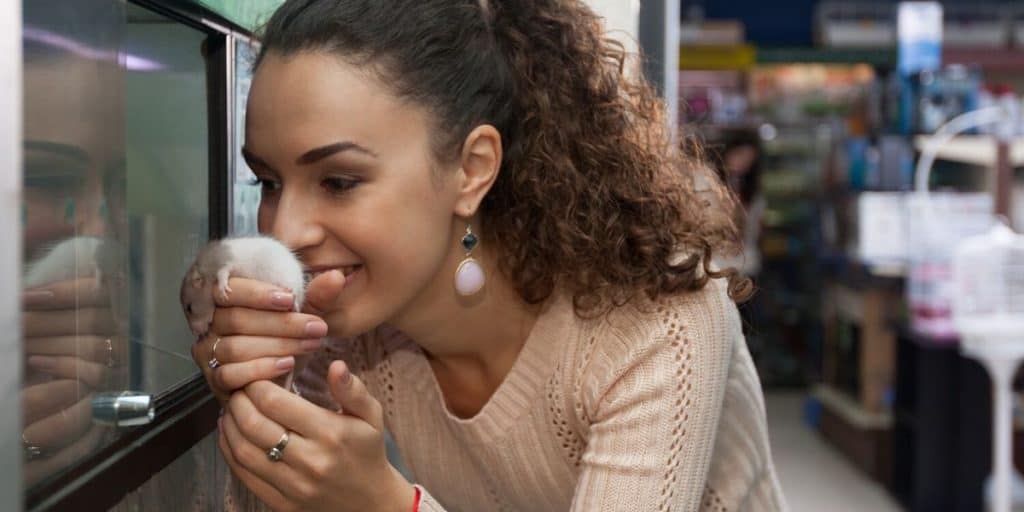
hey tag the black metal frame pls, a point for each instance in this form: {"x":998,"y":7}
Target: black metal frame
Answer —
{"x":187,"y":413}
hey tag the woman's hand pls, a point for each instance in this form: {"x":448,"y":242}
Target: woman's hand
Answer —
{"x":259,"y":337}
{"x":70,"y":332}
{"x":333,"y":460}
{"x":71,"y":350}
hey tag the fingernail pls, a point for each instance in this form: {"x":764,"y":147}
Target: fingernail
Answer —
{"x":316,"y":329}
{"x":346,"y":377}
{"x":312,"y":345}
{"x":282,"y":299}
{"x":41,"y":362}
{"x":285,"y":363}
{"x":36,"y":297}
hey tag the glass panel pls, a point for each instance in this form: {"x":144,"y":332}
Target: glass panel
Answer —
{"x":114,"y":209}
{"x":166,"y":155}
{"x":245,"y":192}
{"x":247,"y":13}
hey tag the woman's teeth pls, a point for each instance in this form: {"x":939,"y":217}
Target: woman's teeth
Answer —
{"x":346,"y":271}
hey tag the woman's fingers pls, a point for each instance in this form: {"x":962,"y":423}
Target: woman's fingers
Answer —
{"x":38,"y":469}
{"x":249,"y":293}
{"x":71,"y":367}
{"x":63,"y":427}
{"x":254,"y":460}
{"x":69,"y":294}
{"x":233,"y":376}
{"x":42,"y":400}
{"x":100,"y":349}
{"x":353,"y":397}
{"x":234,"y":349}
{"x":255,"y":322}
{"x":91,"y":320}
{"x":322,"y":292}
{"x":263,"y":431}
{"x":264,"y":491}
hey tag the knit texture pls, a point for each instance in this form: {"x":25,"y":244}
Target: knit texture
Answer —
{"x":652,"y":407}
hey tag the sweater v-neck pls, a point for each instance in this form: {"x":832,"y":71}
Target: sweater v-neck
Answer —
{"x":516,"y":393}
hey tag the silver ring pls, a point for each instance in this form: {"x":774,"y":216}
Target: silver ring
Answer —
{"x":31,"y":451}
{"x":213,"y":360}
{"x":275,"y":453}
{"x":110,"y":353}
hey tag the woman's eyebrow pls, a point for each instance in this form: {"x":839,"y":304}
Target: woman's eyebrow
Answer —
{"x":253,"y":160}
{"x":322,"y":152}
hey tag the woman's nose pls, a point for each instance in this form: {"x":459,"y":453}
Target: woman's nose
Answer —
{"x":296,"y":223}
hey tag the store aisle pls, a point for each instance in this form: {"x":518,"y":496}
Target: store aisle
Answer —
{"x":814,"y":475}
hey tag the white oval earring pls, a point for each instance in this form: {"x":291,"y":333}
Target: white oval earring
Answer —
{"x":469,"y":277}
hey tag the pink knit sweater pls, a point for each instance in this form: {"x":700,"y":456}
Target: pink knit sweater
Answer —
{"x":652,"y":407}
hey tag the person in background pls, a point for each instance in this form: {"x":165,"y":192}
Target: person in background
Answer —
{"x":511,"y":272}
{"x":739,"y":163}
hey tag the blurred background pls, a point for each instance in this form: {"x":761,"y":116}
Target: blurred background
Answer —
{"x":120,"y":131}
{"x":817,"y":113}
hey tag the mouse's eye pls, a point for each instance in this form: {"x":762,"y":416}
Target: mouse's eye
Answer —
{"x":188,"y":309}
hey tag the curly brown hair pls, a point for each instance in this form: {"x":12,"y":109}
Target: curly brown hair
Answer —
{"x":593,"y":195}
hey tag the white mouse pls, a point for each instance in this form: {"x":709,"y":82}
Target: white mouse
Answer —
{"x":71,"y":258}
{"x":255,"y":257}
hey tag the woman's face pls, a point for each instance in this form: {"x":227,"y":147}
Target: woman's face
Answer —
{"x":349,"y":183}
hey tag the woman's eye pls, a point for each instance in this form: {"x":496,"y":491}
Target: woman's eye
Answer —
{"x":266,"y":185}
{"x":339,"y":185}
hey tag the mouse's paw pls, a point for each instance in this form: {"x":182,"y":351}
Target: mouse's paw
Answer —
{"x":222,"y":283}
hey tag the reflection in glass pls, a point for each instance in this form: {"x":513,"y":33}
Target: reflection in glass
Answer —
{"x":114,"y":206}
{"x":245,"y":192}
{"x":166,"y":155}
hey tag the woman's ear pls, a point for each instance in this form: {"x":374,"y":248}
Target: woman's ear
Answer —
{"x":481,"y":162}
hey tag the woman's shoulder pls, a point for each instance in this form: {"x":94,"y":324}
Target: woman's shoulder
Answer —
{"x":693,"y":329}
{"x":707,"y":315}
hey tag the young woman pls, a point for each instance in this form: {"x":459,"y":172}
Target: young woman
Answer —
{"x":512,"y":269}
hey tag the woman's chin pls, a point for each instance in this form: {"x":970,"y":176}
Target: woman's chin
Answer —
{"x":345,"y":323}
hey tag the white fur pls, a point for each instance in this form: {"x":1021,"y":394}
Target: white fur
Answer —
{"x":258,"y":257}
{"x":69,"y":259}
{"x":261,"y":258}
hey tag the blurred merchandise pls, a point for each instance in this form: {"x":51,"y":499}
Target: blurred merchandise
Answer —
{"x":895,"y":164}
{"x":1016,"y":14}
{"x":855,"y":24}
{"x":930,"y":99}
{"x":882,"y":229}
{"x":934,"y":228}
{"x":706,"y":32}
{"x":919,"y":36}
{"x":975,"y":25}
{"x":715,"y":97}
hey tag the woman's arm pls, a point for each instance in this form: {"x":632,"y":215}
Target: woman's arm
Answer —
{"x":653,"y":407}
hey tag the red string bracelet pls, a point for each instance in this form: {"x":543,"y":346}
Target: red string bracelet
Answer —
{"x":416,"y":501}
